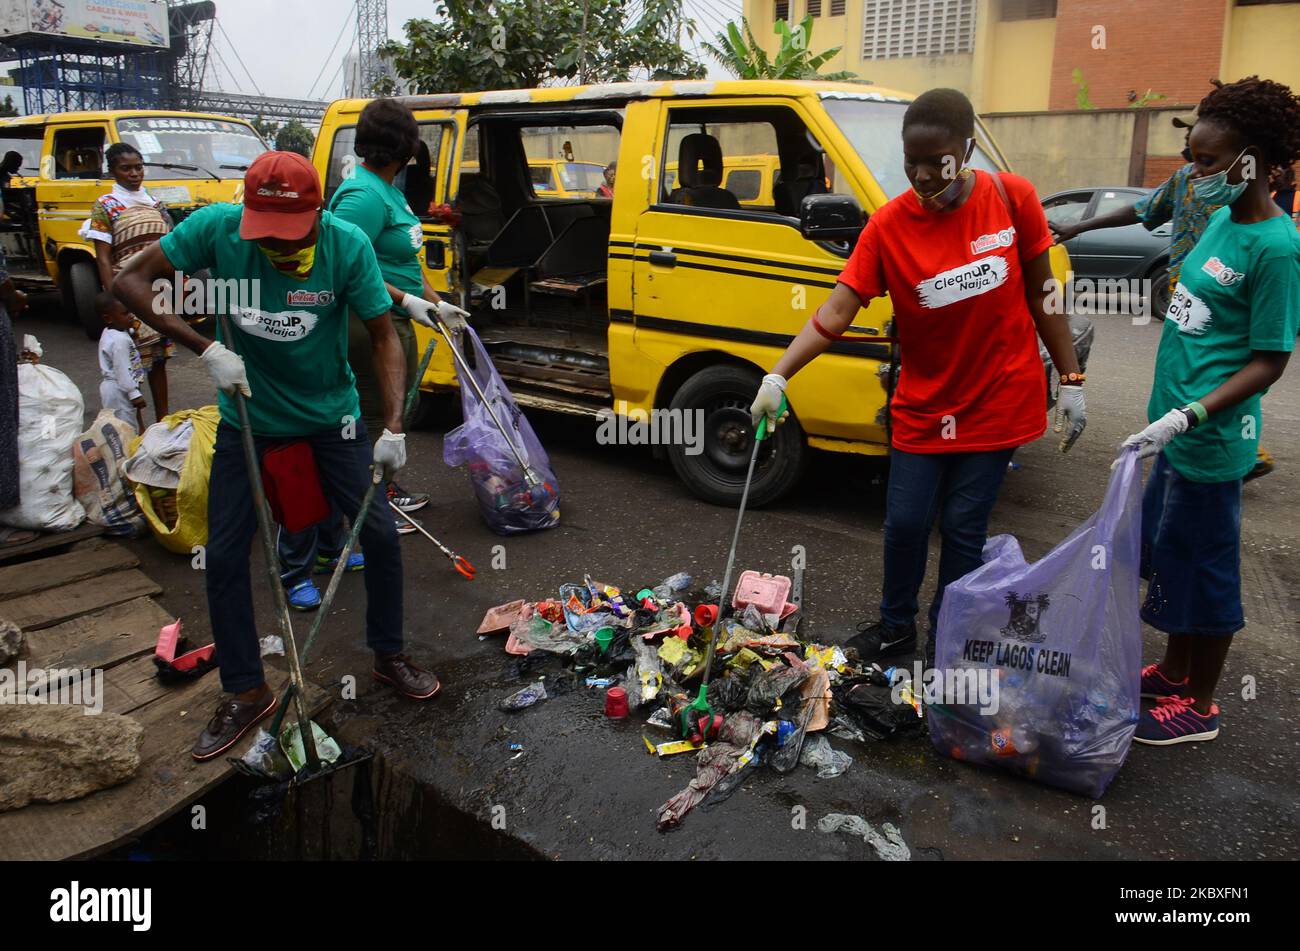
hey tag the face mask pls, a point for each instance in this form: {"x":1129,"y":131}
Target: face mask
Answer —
{"x":296,"y":264}
{"x":946,"y":196}
{"x":1215,"y":190}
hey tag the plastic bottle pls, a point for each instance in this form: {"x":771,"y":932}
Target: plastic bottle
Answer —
{"x":673,"y":587}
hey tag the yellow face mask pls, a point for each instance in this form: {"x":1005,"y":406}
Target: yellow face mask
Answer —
{"x":296,"y":264}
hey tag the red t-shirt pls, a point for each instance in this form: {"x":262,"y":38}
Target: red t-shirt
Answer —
{"x":970,"y":378}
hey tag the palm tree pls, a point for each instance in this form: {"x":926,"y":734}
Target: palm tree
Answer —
{"x":741,"y":54}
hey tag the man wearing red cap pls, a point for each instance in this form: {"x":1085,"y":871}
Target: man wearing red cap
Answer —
{"x":289,"y":357}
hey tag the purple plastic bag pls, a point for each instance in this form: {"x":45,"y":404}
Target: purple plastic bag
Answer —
{"x":509,"y":501}
{"x":1059,"y":640}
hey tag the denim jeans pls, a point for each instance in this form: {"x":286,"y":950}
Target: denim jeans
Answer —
{"x":958,"y":487}
{"x":344,"y":466}
{"x":298,"y":550}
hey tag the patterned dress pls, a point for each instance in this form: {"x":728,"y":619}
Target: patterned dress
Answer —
{"x":130,"y":228}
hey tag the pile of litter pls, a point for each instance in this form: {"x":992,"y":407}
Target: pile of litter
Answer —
{"x":771,"y":698}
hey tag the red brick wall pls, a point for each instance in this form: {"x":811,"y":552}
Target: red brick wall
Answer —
{"x":1160,"y":167}
{"x":1173,"y":49}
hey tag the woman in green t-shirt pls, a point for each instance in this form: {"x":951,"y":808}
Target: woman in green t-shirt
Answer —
{"x":387,"y":137}
{"x":1230,"y":329}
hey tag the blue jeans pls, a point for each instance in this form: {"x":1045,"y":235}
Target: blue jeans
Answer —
{"x":344,"y":466}
{"x":958,"y":487}
{"x":298,"y":550}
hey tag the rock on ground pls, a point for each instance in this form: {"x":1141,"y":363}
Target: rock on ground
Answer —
{"x":11,"y":640}
{"x":54,"y":753}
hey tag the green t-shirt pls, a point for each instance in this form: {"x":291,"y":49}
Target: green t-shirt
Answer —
{"x":381,"y":212}
{"x":293,"y":335}
{"x":1238,"y":291}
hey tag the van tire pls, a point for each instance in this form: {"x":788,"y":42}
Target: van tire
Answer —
{"x":81,"y":284}
{"x":724,"y":393}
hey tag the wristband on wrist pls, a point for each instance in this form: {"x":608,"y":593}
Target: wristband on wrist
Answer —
{"x":1073,"y":379}
{"x":1199,"y":414}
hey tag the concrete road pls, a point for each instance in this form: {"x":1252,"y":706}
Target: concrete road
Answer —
{"x":585,"y":787}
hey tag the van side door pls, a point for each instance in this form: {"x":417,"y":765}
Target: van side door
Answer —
{"x":711,"y":273}
{"x":72,"y":178}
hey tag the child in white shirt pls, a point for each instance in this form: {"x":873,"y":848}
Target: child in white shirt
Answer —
{"x":119,"y":363}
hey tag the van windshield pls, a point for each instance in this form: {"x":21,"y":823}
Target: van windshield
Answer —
{"x":217,"y":146}
{"x":875,"y":130}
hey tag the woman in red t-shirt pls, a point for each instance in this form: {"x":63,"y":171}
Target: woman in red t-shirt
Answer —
{"x":964,"y":259}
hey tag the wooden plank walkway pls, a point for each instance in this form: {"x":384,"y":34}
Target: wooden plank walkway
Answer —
{"x":91,"y":608}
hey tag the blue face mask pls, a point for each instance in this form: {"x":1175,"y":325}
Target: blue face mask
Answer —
{"x":1215,"y":190}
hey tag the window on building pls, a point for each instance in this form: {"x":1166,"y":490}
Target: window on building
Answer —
{"x":814,"y":8}
{"x":781,"y":9}
{"x":893,"y":29}
{"x":1027,"y":10}
{"x":837,"y":8}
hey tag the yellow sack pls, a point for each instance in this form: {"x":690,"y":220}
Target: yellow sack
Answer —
{"x":190,"y":527}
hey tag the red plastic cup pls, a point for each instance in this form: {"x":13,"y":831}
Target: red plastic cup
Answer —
{"x":616,"y":702}
{"x":706,"y":615}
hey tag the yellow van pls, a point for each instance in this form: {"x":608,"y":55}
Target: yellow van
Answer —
{"x":191,"y":159}
{"x":666,"y":297}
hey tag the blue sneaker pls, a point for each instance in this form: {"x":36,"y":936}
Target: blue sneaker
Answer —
{"x":304,"y":597}
{"x":1173,"y":720}
{"x":1156,"y":685}
{"x":356,"y":562}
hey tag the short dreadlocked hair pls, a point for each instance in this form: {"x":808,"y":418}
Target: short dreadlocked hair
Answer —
{"x":947,"y":109}
{"x":1264,"y":113}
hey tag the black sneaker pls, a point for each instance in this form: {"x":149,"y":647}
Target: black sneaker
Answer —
{"x":876,"y":639}
{"x":407,"y":501}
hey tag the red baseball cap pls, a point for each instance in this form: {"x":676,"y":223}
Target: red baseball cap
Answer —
{"x":281,"y":197}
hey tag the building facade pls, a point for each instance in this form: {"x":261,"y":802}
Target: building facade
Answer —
{"x":1037,"y":55}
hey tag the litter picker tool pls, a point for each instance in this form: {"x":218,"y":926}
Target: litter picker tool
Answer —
{"x":457,"y":561}
{"x":698,"y":718}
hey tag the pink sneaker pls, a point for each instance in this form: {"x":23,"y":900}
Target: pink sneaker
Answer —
{"x":1156,"y":685}
{"x":1173,"y":720}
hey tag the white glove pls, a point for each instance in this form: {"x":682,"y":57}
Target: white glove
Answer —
{"x":768,"y":401}
{"x":1156,"y":436}
{"x":419,"y":309}
{"x":226,"y":368}
{"x":452,"y":316}
{"x":390,"y":455}
{"x":1071,"y":415}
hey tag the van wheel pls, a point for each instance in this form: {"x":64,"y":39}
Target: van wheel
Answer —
{"x":81,"y":284}
{"x":1160,"y":296}
{"x":722,"y":396}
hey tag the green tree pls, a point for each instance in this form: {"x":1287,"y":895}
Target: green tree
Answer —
{"x":293,"y":136}
{"x":265,"y":128}
{"x":740,"y":53}
{"x":504,"y":46}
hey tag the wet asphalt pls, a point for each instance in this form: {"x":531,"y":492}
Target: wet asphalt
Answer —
{"x":585,"y":787}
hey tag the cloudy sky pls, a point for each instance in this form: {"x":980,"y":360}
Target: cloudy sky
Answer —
{"x":282,"y":47}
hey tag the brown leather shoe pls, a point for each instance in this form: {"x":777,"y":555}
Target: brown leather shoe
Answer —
{"x":409,"y":679}
{"x":232,"y":720}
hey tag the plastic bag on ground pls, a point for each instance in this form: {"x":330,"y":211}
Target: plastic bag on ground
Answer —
{"x":819,"y":755}
{"x":524,"y":698}
{"x":509,"y":501}
{"x":98,"y":458}
{"x":888,"y":842}
{"x":179,"y":518}
{"x":50,"y":417}
{"x":1063,"y":638}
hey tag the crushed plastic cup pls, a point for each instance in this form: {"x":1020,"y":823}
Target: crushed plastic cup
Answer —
{"x":603,"y":638}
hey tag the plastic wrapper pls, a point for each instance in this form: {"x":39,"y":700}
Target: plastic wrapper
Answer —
{"x":1061,"y":640}
{"x":508,"y":500}
{"x":829,"y":762}
{"x":887,"y":842}
{"x":768,"y":686}
{"x":522,"y":699}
